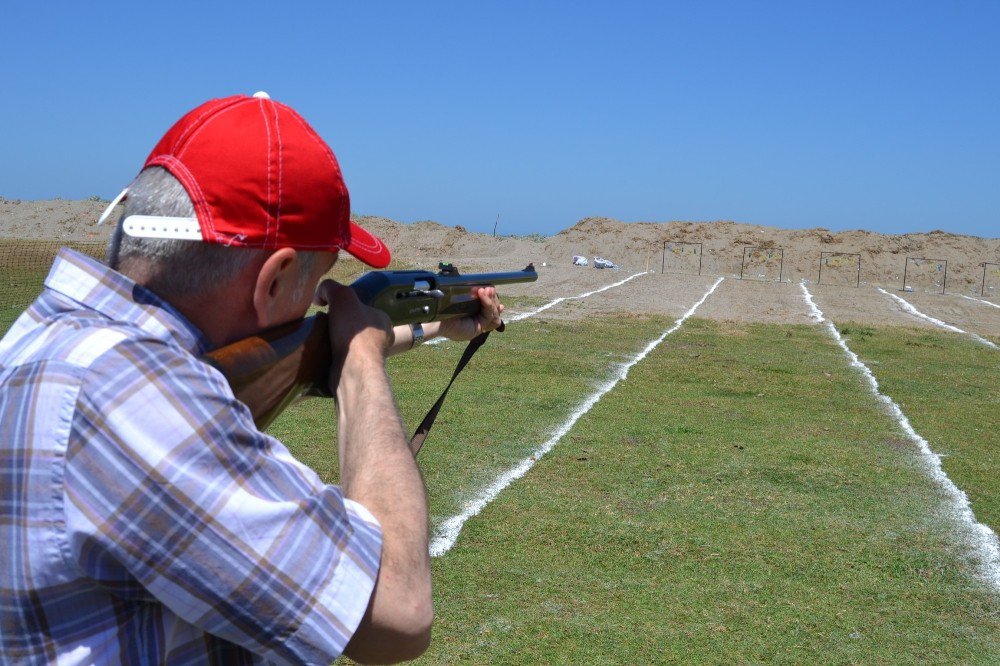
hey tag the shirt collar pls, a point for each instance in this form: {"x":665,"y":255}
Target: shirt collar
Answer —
{"x":97,"y":287}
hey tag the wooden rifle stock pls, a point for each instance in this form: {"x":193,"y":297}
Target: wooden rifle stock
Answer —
{"x":273,"y":369}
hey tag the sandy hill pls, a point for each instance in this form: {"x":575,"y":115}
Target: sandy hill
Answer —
{"x":631,"y":245}
{"x":639,"y":245}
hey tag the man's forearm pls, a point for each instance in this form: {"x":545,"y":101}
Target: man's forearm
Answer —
{"x":379,"y":471}
{"x":403,"y":336}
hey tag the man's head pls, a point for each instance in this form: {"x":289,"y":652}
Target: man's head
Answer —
{"x":235,"y":183}
{"x":258,"y":176}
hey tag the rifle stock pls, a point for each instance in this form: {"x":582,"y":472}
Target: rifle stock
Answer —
{"x":273,"y":369}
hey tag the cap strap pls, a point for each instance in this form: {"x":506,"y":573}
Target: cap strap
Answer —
{"x":159,"y":226}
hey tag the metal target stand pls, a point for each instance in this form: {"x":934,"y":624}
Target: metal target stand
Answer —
{"x":906,"y":266}
{"x":982,"y":287}
{"x":781,"y":256}
{"x":823,"y":255}
{"x":663,"y":259}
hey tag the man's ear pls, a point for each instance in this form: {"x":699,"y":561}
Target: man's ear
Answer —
{"x":276,"y":281}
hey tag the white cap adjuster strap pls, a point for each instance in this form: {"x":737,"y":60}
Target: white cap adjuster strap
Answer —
{"x":158,"y":226}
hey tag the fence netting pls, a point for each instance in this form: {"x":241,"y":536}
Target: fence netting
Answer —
{"x":23,"y":267}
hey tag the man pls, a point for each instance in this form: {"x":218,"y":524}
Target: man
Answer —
{"x":145,"y":518}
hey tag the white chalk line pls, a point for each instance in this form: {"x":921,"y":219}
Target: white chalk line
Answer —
{"x":903,"y":303}
{"x":981,"y":538}
{"x":532,"y":313}
{"x":525,"y":315}
{"x":981,"y":300}
{"x":447,"y":532}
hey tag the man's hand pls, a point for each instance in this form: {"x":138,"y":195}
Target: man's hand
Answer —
{"x":458,"y":328}
{"x":357,"y":332}
{"x":488,"y":319}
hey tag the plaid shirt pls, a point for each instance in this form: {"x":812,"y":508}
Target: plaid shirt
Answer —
{"x":144,"y":518}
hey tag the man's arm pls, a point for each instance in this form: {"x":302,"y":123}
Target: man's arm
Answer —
{"x":378,"y":471}
{"x":457,"y":328}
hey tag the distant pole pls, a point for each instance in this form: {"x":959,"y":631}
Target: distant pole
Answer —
{"x":495,"y":225}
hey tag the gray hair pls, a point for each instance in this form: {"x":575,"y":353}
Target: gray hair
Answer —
{"x":178,"y":268}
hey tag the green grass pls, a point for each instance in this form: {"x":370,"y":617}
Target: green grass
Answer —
{"x":522,"y":383}
{"x":740,"y":498}
{"x":20,"y":288}
{"x":729,"y":503}
{"x":947,"y":385}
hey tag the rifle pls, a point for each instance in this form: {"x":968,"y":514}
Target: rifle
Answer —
{"x":273,"y":369}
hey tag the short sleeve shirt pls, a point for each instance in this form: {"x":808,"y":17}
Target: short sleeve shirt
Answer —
{"x":143,"y":516}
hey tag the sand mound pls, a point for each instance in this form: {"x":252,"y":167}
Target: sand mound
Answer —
{"x":634,"y":245}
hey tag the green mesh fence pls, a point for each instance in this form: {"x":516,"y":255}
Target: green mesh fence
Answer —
{"x":23,"y":267}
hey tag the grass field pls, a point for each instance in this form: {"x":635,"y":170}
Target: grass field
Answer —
{"x":740,"y":498}
{"x":20,"y":288}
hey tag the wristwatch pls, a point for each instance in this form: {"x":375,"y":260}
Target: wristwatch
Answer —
{"x":418,"y":334}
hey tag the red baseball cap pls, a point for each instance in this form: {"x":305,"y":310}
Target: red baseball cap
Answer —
{"x":259,"y":176}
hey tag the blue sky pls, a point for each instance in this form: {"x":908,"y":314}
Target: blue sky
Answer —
{"x":875,"y":115}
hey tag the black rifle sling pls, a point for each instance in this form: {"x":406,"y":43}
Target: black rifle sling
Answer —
{"x":425,"y":426}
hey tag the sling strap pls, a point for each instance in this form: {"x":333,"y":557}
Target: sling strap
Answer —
{"x":425,"y":426}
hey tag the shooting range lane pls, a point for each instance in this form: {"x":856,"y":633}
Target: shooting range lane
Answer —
{"x":909,"y":308}
{"x":981,"y":300}
{"x":446,"y":533}
{"x":653,"y":293}
{"x":532,"y":313}
{"x":863,"y":306}
{"x":957,"y":310}
{"x":753,"y":301}
{"x":982,"y":541}
{"x":657,"y":294}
